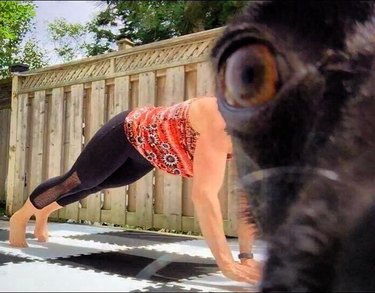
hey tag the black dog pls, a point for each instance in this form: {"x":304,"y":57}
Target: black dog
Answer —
{"x":296,"y":87}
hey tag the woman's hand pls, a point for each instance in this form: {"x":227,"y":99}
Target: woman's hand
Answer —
{"x":248,"y":270}
{"x":255,"y":266}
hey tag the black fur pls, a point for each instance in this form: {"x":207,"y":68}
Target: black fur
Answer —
{"x":315,"y":141}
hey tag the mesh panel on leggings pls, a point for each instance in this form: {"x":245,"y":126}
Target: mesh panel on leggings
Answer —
{"x":55,"y":192}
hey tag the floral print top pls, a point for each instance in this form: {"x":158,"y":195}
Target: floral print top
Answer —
{"x":164,"y":136}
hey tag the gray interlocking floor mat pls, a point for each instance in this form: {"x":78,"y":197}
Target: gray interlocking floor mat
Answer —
{"x":90,"y":258}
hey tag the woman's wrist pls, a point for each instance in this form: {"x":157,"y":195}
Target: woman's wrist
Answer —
{"x":224,"y":259}
{"x":245,"y":255}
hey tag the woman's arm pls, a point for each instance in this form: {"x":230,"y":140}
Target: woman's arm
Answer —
{"x":209,"y":169}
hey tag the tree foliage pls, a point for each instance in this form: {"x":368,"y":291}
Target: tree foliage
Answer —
{"x":32,"y":54}
{"x":15,"y":21}
{"x":70,"y":39}
{"x":149,"y":21}
{"x":140,"y":21}
{"x":15,"y":17}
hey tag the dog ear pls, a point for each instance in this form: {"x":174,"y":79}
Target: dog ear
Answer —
{"x":327,"y":22}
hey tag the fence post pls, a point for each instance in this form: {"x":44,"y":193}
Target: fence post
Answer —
{"x":12,"y":146}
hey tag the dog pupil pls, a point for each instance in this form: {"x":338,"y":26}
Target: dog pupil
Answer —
{"x":248,"y":75}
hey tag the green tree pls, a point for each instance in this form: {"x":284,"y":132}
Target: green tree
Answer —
{"x":140,"y":21}
{"x":70,"y":39}
{"x":15,"y":22}
{"x":149,"y":21}
{"x":32,"y":54}
{"x":204,"y":15}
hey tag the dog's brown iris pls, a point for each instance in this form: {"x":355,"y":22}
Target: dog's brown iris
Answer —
{"x":249,"y":76}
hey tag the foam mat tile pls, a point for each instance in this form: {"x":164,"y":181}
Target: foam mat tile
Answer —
{"x":92,"y":258}
{"x":40,"y":276}
{"x":56,"y":247}
{"x":216,"y":282}
{"x":121,"y":263}
{"x":6,"y":258}
{"x":4,"y":235}
{"x":131,"y":238}
{"x":199,"y":248}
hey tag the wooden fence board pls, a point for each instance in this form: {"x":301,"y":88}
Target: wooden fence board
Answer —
{"x":159,"y":217}
{"x":73,"y":147}
{"x":172,"y":185}
{"x":119,"y":103}
{"x":187,"y":203}
{"x":55,"y":135}
{"x":205,"y":79}
{"x":21,"y":177}
{"x":131,"y":199}
{"x":110,"y":112}
{"x":10,"y":196}
{"x":144,"y":186}
{"x":37,"y":140}
{"x":4,"y":149}
{"x":96,"y":116}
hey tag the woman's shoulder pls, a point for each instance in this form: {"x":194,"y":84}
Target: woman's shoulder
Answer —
{"x":204,"y":115}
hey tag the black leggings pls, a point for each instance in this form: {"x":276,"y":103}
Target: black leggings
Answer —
{"x":108,"y":160}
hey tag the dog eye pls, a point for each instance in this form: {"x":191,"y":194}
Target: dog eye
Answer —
{"x":249,"y":77}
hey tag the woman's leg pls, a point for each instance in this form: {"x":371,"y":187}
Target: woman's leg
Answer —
{"x":128,"y":173}
{"x":133,"y":169}
{"x":18,"y":222}
{"x":41,"y":216}
{"x":103,"y":155}
{"x":41,"y":220}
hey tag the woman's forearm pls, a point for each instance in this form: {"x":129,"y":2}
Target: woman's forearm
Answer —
{"x":211,"y":224}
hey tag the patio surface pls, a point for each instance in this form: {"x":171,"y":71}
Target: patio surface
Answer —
{"x":96,"y":258}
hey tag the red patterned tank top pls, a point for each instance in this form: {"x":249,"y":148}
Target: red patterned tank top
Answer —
{"x":164,"y":136}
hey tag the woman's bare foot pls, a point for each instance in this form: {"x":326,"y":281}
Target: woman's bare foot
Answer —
{"x":19,"y":221}
{"x":17,"y":224}
{"x":41,"y":228}
{"x":41,"y":221}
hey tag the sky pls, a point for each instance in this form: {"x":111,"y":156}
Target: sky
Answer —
{"x":72,"y":11}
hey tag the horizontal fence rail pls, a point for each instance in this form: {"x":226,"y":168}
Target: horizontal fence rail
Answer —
{"x":56,"y":110}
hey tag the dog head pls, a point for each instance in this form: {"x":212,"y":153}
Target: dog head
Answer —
{"x":284,"y":74}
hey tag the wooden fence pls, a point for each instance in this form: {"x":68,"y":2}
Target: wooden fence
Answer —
{"x":56,"y":110}
{"x":5,"y":93}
